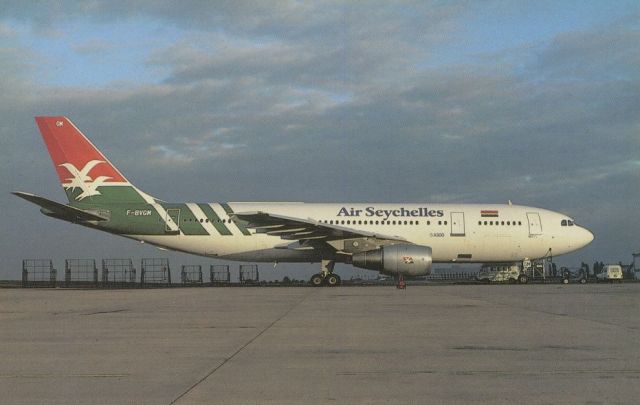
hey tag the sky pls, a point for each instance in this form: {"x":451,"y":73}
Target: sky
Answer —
{"x":326,"y":101}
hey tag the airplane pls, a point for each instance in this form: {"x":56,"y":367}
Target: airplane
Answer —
{"x":402,"y":239}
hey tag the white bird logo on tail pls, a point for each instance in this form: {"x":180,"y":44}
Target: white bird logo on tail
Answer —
{"x":82,"y":180}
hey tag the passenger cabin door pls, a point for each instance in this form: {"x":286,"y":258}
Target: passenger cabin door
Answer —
{"x":457,"y":224}
{"x":173,"y":220}
{"x":535,"y":227}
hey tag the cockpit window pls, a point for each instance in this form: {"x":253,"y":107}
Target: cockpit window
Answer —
{"x":570,"y":222}
{"x":564,"y":222}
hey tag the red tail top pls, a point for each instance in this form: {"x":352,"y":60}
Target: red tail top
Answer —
{"x":74,"y":156}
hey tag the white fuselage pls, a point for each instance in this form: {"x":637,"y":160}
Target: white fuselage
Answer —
{"x":455,"y":232}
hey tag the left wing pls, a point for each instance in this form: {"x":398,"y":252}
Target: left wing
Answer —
{"x":308,"y":233}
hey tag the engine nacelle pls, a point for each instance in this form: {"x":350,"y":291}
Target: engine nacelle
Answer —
{"x":408,"y":260}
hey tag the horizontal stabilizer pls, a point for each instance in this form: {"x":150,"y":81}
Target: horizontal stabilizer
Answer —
{"x":61,"y":211}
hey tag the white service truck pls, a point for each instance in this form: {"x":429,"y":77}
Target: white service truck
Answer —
{"x":610,"y":272}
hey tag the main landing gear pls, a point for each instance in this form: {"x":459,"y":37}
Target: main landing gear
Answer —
{"x":326,"y":275}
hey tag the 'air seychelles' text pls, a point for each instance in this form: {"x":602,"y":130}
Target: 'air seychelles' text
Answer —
{"x":387,"y":213}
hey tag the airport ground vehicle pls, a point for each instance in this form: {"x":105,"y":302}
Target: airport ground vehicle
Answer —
{"x":634,"y":268}
{"x":610,"y":272}
{"x":501,"y":272}
{"x":569,"y":276}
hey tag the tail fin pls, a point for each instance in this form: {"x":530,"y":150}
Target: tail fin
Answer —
{"x":86,"y":175}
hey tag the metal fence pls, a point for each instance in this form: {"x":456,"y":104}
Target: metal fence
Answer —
{"x":219,"y":274}
{"x":80,"y":271}
{"x":155,"y":271}
{"x":38,"y":273}
{"x":249,"y":274}
{"x":191,"y":274}
{"x":118,"y":272}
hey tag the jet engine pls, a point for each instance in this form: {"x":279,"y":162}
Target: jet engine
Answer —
{"x":408,"y":260}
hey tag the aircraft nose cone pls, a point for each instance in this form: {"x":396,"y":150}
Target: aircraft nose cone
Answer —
{"x":586,"y":237}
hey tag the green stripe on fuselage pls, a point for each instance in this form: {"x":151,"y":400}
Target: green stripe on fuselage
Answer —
{"x":215,"y":219}
{"x":229,"y":211}
{"x":189,"y":224}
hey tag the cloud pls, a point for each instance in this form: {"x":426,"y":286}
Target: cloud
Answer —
{"x":599,"y":54}
{"x":93,"y":47}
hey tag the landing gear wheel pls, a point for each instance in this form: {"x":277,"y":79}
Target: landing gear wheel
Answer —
{"x":523,"y":279}
{"x":565,"y":281}
{"x":332,"y":280}
{"x":316,"y":280}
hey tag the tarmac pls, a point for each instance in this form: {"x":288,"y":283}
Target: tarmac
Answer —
{"x":462,"y":344}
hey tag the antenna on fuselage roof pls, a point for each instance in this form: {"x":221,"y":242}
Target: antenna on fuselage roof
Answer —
{"x":510,"y":203}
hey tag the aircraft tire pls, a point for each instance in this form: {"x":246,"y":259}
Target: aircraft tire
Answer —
{"x":317,"y":280}
{"x":565,"y":281}
{"x":583,"y":281}
{"x":523,"y":279}
{"x":332,"y":280}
